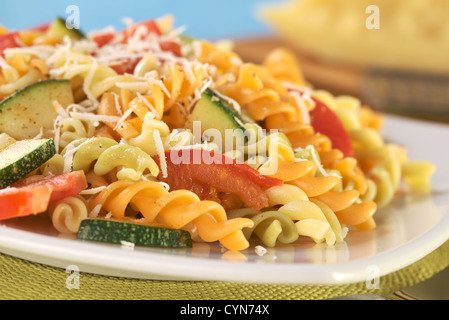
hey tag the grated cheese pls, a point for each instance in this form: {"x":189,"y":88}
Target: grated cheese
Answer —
{"x":118,"y":107}
{"x":161,"y":152}
{"x":68,"y":158}
{"x":127,"y":245}
{"x":305,"y":116}
{"x":260,"y":251}
{"x":232,"y":102}
{"x":95,"y":211}
{"x":88,"y":81}
{"x":40,"y":135}
{"x":317,"y":162}
{"x":94,"y":117}
{"x":134,"y":86}
{"x":149,"y":105}
{"x":92,"y":191}
{"x":160,"y":83}
{"x":125,"y":116}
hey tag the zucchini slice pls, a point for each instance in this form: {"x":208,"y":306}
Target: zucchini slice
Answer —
{"x":59,"y":30}
{"x":140,"y":234}
{"x":217,"y":119}
{"x":24,"y":113}
{"x":23,"y":157}
{"x":6,"y":141}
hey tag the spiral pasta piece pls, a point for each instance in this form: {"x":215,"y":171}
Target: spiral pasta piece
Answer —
{"x":133,"y":96}
{"x":177,"y":210}
{"x":273,"y":227}
{"x":146,"y":141}
{"x":105,"y":155}
{"x":19,"y":70}
{"x":72,"y":129}
{"x":269,"y":100}
{"x":301,"y":170}
{"x":312,"y":217}
{"x":67,"y":214}
{"x":384,"y":164}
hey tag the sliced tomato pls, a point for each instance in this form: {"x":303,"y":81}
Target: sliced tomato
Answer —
{"x":171,"y":46}
{"x":23,"y":202}
{"x":151,"y":26}
{"x":205,"y":172}
{"x":33,"y":195}
{"x":8,"y":41}
{"x":126,"y":66}
{"x":42,"y":27}
{"x":103,"y":39}
{"x":326,"y":122}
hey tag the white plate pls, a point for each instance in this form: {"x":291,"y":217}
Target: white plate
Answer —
{"x":410,"y":228}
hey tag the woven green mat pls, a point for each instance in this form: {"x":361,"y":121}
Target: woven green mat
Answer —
{"x":24,"y":280}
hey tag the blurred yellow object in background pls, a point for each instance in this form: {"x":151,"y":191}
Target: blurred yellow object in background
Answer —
{"x":413,"y":35}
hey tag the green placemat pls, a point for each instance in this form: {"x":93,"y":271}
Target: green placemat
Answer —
{"x":24,"y":280}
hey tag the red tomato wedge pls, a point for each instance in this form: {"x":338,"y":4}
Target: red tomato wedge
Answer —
{"x":150,"y":25}
{"x":200,"y":171}
{"x":128,"y":65}
{"x":8,"y":41}
{"x":326,"y":122}
{"x":42,"y":27}
{"x":103,"y":39}
{"x":33,"y":195}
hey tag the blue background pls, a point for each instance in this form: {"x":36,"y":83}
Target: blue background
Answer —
{"x":208,"y":19}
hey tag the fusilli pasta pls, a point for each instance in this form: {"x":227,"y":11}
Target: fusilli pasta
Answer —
{"x":177,"y":209}
{"x":133,"y":93}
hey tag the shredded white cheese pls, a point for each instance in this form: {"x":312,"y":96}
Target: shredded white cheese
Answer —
{"x":95,"y":212}
{"x":317,"y":161}
{"x":302,"y":107}
{"x":232,"y":102}
{"x":127,"y":245}
{"x":92,"y":191}
{"x":260,"y":251}
{"x":161,"y":152}
{"x":94,"y":117}
{"x":125,"y":116}
{"x":148,"y":104}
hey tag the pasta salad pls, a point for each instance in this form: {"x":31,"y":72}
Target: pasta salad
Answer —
{"x":151,"y":137}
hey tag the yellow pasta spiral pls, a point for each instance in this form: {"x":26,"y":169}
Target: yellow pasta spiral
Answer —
{"x":267,"y":99}
{"x":312,"y":218}
{"x":177,"y":209}
{"x":384,"y":164}
{"x":21,"y":70}
{"x":301,"y":170}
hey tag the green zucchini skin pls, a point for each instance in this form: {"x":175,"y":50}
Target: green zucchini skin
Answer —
{"x":24,"y":113}
{"x":59,"y":29}
{"x":113,"y":231}
{"x":213,"y":112}
{"x":23,"y":157}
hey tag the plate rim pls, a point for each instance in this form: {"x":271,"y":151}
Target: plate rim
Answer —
{"x":99,"y":261}
{"x":61,"y":253}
